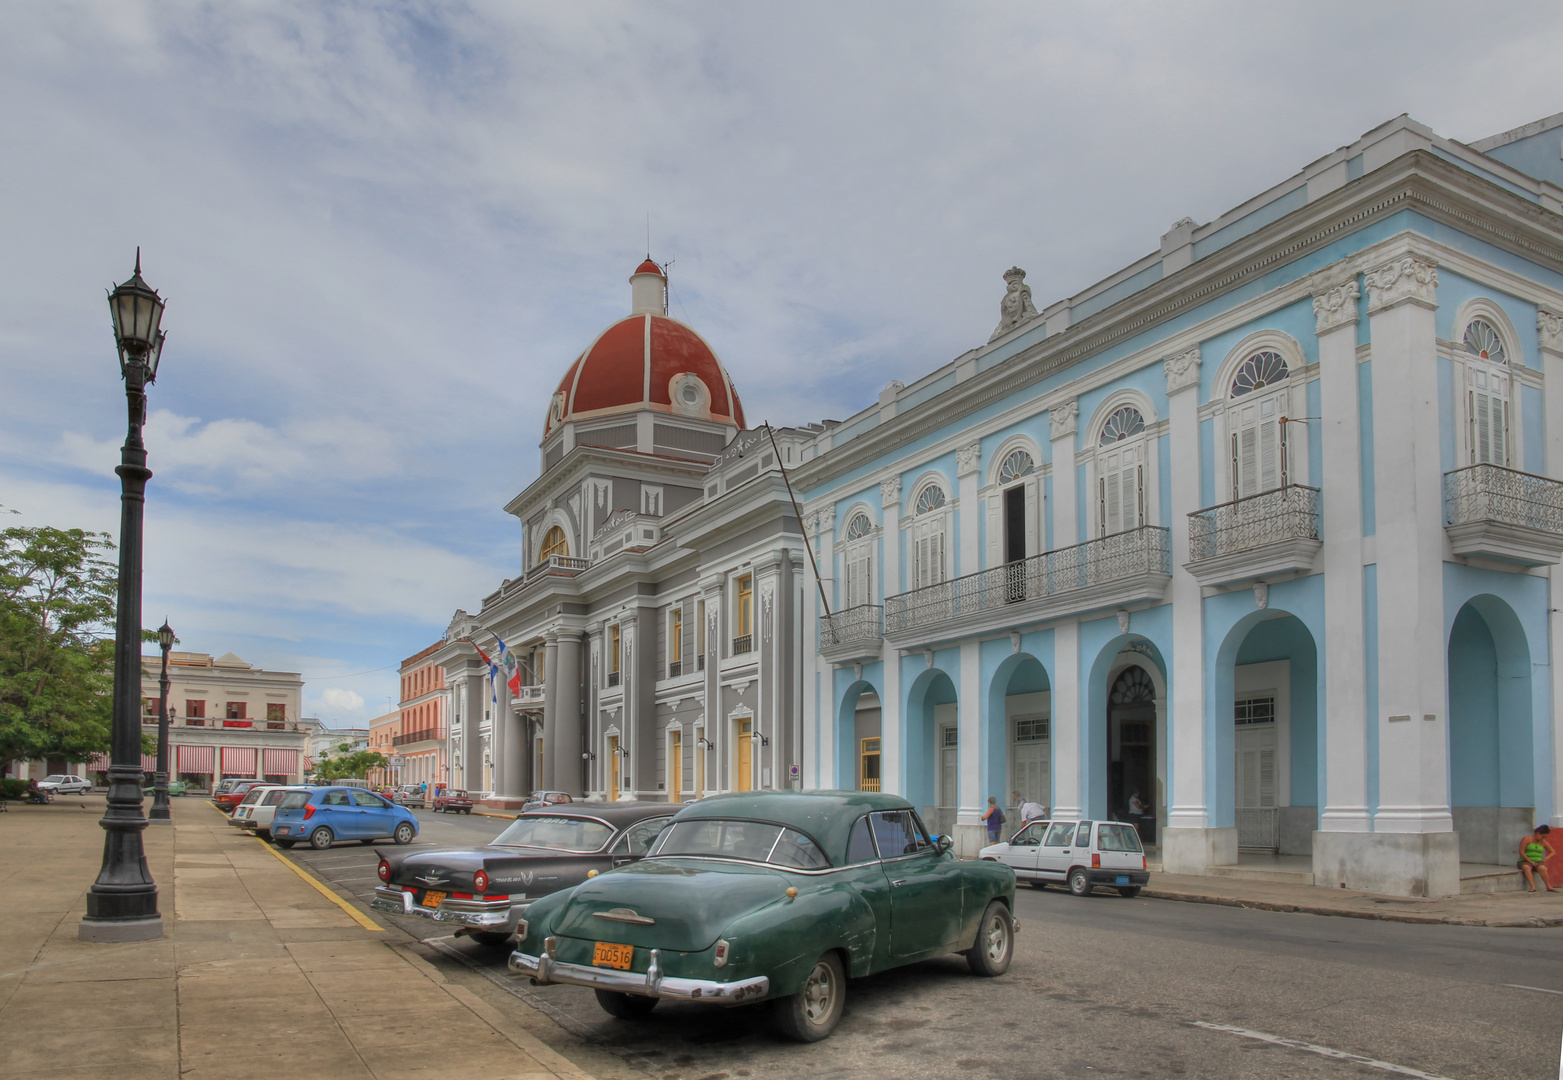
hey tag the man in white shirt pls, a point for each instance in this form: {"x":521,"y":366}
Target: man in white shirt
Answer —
{"x":1030,"y":811}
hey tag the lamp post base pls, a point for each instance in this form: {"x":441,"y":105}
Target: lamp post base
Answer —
{"x":149,"y":928}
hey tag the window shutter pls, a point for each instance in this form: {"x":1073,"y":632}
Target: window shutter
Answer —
{"x":1114,"y":509}
{"x":1033,"y":512}
{"x":996,"y":527}
{"x":1267,"y":778}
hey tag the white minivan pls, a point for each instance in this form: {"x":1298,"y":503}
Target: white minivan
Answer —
{"x":1080,"y":854}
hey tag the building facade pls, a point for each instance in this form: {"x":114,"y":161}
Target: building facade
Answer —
{"x":421,"y":744}
{"x":648,"y":647}
{"x":1263,"y":528}
{"x":383,"y":733}
{"x":226,"y":718}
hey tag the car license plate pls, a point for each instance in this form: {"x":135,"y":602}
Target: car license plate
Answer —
{"x":1123,"y":879}
{"x":432,"y":898}
{"x":281,"y":830}
{"x":611,"y":954}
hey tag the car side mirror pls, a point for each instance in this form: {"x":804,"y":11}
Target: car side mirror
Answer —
{"x":941,"y":844}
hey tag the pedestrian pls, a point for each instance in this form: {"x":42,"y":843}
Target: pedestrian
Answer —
{"x":1535,"y":850}
{"x":994,"y":818}
{"x":1029,"y":811}
{"x":1136,"y":805}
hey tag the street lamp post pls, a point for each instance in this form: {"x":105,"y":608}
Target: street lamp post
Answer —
{"x":122,"y":903}
{"x":159,"y":811}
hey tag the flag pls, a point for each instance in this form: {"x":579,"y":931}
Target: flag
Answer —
{"x":512,"y":667}
{"x":492,"y":668}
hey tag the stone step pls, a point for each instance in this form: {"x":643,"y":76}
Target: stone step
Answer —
{"x":1494,"y":879}
{"x":1261,"y":873}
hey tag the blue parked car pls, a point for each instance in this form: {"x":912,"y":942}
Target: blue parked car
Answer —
{"x":324,"y":815}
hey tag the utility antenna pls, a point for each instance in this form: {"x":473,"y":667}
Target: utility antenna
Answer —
{"x":648,"y":237}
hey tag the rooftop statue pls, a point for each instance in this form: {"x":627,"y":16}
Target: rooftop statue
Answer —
{"x":1016,"y":307}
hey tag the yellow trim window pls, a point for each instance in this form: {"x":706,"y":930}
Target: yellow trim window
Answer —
{"x":745,"y":605}
{"x":613,"y":648}
{"x":700,"y":632}
{"x":554,"y":543}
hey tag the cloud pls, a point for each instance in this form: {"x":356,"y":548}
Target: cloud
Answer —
{"x":341,"y":701}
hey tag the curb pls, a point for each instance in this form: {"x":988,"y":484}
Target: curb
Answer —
{"x":1313,"y":909}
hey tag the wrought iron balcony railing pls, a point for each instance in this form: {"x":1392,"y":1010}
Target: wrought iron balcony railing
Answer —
{"x":1506,"y":496}
{"x":416,"y":737}
{"x":1124,"y":555}
{"x":743,"y":643}
{"x":1271,"y":517}
{"x":866,"y":622}
{"x":675,"y":668}
{"x":613,"y":678}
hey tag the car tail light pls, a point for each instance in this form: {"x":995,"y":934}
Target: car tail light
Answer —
{"x":480,"y":882}
{"x":1142,"y":862}
{"x":521,"y":929}
{"x":309,"y":811}
{"x":720,"y":957}
{"x":1096,"y":861}
{"x":385,"y":870}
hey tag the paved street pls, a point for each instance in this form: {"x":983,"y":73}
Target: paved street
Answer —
{"x":1106,"y":986}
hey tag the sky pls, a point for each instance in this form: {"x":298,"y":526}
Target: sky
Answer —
{"x":385,"y":229}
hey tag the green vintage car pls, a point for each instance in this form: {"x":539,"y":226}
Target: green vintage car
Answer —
{"x":772,"y":896}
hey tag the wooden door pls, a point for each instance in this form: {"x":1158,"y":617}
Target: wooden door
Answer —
{"x":613,"y":768}
{"x":744,"y":780}
{"x":676,"y":767}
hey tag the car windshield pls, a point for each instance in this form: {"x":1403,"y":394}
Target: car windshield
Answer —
{"x":1118,"y":838}
{"x":560,"y":833}
{"x":754,"y":841}
{"x":294,"y":800}
{"x":56,"y":779}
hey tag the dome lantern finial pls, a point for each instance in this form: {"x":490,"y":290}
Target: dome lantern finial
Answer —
{"x":648,"y":289}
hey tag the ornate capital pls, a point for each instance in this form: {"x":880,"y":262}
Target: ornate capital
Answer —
{"x":890,"y":492}
{"x":966,"y":458}
{"x":827,"y":518}
{"x":1408,"y":279}
{"x":1335,"y":306}
{"x":1064,"y":419}
{"x":1182,"y":370}
{"x":1549,"y":330}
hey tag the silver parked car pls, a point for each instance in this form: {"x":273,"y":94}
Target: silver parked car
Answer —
{"x":65,"y":784}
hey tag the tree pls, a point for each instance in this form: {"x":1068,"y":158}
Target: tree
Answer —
{"x":57,"y":597}
{"x":354,"y":765}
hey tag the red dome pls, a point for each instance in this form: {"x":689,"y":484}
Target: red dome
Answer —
{"x":636,"y":364}
{"x":649,"y":267}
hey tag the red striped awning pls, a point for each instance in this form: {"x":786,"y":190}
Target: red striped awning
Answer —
{"x":196,"y":759}
{"x":98,"y":763}
{"x":239,"y":760}
{"x":149,"y":763}
{"x":279,"y":762}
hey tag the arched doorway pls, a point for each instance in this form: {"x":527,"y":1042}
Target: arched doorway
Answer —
{"x":858,"y":736}
{"x":1131,"y":749}
{"x":1019,"y":758}
{"x":1491,"y":738}
{"x":933,"y":750}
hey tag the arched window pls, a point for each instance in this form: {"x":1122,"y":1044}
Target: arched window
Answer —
{"x":1487,"y":378}
{"x":1120,"y":472}
{"x":1016,"y":465}
{"x":858,"y":561}
{"x":1254,"y":420}
{"x":928,"y":543}
{"x":554,"y":543}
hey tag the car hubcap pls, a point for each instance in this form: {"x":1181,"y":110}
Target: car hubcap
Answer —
{"x":819,"y":994}
{"x":998,"y":939}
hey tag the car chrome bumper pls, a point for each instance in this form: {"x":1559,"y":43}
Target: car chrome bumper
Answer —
{"x":545,"y":969}
{"x":477,"y":913}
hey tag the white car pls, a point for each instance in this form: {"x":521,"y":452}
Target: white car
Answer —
{"x":259,"y":806}
{"x":65,"y":784}
{"x":1080,"y":854}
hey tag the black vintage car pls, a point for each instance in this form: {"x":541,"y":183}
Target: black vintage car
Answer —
{"x":484,"y":891}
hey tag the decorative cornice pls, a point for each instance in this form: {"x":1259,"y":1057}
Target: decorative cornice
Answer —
{"x":890,"y":492}
{"x":1182,"y":370}
{"x":1408,"y":279}
{"x":1335,"y":305}
{"x":1549,"y":330}
{"x":966,"y":459}
{"x":1063,"y":419}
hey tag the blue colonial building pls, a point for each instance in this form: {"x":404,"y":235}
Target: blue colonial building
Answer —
{"x":1263,"y":528}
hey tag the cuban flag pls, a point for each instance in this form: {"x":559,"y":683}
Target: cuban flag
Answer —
{"x":492,"y":669}
{"x":512,"y":667}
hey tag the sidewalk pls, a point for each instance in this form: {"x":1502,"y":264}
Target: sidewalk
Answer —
{"x":260,"y":973}
{"x":1480,"y":909}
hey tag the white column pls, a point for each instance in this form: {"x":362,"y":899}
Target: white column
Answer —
{"x":1549,"y":332}
{"x":1345,"y":674}
{"x":814,"y":709}
{"x":891,"y":722}
{"x":1066,"y":720}
{"x":967,"y":459}
{"x":1186,"y":845}
{"x":1064,"y":419}
{"x":970,"y":832}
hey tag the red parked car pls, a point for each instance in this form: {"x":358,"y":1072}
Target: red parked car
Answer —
{"x":452,"y":802}
{"x":234,"y":795}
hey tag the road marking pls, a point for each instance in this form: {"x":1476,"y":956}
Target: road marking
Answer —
{"x":1312,"y":1048}
{"x":358,"y":916}
{"x":1537,"y":989}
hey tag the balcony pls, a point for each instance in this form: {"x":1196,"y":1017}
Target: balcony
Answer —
{"x":1274,"y":532}
{"x":1504,"y":514}
{"x":742,"y":644}
{"x":1110,"y":572}
{"x":431,"y":735}
{"x":675,"y":668}
{"x":530,"y":697}
{"x":613,"y":678}
{"x":853,"y":635}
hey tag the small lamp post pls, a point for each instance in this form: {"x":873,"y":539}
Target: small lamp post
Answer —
{"x":159,"y":811}
{"x":122,"y":903}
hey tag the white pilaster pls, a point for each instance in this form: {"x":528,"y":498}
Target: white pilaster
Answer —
{"x":1549,"y":332}
{"x":890,"y":717}
{"x":970,"y":832}
{"x":1066,"y":721}
{"x":1064,"y":419}
{"x":1345,"y":683}
{"x":1188,"y":807}
{"x":966,"y":463}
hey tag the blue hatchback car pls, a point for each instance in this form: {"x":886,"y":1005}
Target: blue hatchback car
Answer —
{"x":324,"y":815}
